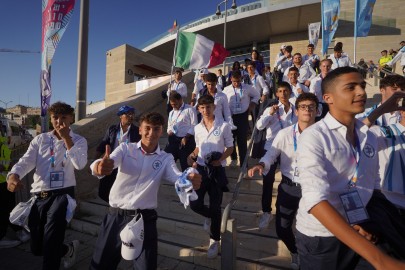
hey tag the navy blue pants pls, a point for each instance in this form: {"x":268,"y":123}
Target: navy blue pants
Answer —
{"x":7,"y":203}
{"x":107,"y":251}
{"x":240,"y":135}
{"x":213,"y":211}
{"x":267,"y":190}
{"x":288,"y":198}
{"x":174,"y":147}
{"x":47,"y":224}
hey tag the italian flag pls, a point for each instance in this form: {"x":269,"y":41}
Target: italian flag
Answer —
{"x":195,"y":51}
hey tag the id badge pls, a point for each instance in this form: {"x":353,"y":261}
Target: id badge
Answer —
{"x":238,"y":107}
{"x":57,"y":179}
{"x":354,"y":208}
{"x":175,"y":129}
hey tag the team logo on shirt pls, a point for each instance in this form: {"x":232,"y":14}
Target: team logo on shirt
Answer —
{"x":216,"y":132}
{"x":368,"y":150}
{"x":156,"y":164}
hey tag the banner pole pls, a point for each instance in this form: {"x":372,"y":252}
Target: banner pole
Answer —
{"x":355,"y":30}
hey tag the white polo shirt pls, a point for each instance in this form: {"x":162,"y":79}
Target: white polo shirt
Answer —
{"x":326,"y":164}
{"x":259,"y":84}
{"x":306,"y":73}
{"x":383,"y":120}
{"x":283,"y":147}
{"x":294,"y":92}
{"x":216,"y":139}
{"x":38,"y":157}
{"x":243,"y":95}
{"x":343,"y":61}
{"x":139,"y":176}
{"x":182,"y":120}
{"x":283,"y":63}
{"x":222,"y":110}
{"x":392,"y":169}
{"x":315,"y":87}
{"x":276,"y":122}
{"x":180,"y":87}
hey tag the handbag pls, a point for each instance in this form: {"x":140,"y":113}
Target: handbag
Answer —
{"x":19,"y":215}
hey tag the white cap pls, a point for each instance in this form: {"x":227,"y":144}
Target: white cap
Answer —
{"x":283,"y":46}
{"x":203,"y":71}
{"x":132,"y":238}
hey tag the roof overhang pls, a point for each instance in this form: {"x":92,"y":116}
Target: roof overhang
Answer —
{"x":244,"y":28}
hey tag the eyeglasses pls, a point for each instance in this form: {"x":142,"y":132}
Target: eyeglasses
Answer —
{"x":304,"y":107}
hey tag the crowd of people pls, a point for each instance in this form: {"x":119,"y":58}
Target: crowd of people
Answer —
{"x":341,"y":164}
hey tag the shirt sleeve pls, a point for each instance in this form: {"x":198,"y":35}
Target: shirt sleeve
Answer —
{"x":254,"y":95}
{"x":271,"y":156}
{"x":264,"y":86}
{"x":264,"y":120}
{"x":311,"y":165}
{"x":28,"y":161}
{"x":228,"y":137}
{"x":171,"y":173}
{"x":226,"y":110}
{"x":312,"y":72}
{"x":78,"y":153}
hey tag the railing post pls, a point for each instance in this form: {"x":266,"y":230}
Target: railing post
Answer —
{"x":228,"y":246}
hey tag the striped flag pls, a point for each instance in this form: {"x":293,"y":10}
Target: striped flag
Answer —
{"x":364,"y":14}
{"x":195,"y":51}
{"x":55,"y":19}
{"x":330,"y":19}
{"x":174,"y":27}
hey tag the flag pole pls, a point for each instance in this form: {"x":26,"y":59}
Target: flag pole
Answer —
{"x":174,"y":55}
{"x":355,"y":30}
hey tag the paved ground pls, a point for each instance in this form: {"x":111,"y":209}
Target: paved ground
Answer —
{"x":21,"y":258}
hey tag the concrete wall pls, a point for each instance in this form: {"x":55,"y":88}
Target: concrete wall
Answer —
{"x":121,"y":64}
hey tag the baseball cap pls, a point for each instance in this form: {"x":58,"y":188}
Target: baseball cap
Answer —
{"x":283,"y":46}
{"x":125,"y":109}
{"x":132,"y":238}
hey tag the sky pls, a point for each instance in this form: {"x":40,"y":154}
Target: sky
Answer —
{"x":112,"y":23}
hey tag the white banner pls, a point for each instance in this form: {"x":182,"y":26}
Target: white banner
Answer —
{"x":313,"y":33}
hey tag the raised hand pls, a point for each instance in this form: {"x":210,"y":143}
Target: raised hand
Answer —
{"x":106,"y":165}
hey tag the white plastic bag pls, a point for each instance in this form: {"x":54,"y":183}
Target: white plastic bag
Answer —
{"x":19,"y":215}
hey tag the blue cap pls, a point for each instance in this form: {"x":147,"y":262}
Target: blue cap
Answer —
{"x":125,"y":109}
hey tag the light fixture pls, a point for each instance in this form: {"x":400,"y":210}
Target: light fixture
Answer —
{"x":234,"y":6}
{"x":218,"y":13}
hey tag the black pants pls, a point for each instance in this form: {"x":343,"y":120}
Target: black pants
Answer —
{"x":47,"y":224}
{"x":107,"y":251}
{"x":240,"y":135}
{"x":213,"y":211}
{"x":7,"y":203}
{"x":288,"y":198}
{"x":174,"y":147}
{"x":319,"y":253}
{"x":267,"y":190}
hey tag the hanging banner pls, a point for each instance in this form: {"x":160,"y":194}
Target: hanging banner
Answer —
{"x":330,"y":18}
{"x":313,"y":33}
{"x":364,"y":14}
{"x":56,"y":15}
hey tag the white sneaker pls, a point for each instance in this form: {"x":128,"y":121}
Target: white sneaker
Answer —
{"x":265,"y":220}
{"x":8,"y":243}
{"x":70,"y":258}
{"x":295,"y":261}
{"x":23,"y":235}
{"x":213,"y":249}
{"x":207,"y":225}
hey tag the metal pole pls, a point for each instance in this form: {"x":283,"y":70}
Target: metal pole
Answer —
{"x":81,"y":83}
{"x":226,"y":15}
{"x":355,"y":30}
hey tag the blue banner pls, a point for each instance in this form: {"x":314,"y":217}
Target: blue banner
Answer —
{"x":330,"y":18}
{"x":364,"y":14}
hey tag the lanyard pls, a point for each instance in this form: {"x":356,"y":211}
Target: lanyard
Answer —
{"x":279,"y":118}
{"x":52,"y":153}
{"x":356,"y":151}
{"x":240,"y":94}
{"x":337,"y":61}
{"x":171,"y":117}
{"x":119,"y":136}
{"x":295,"y":137}
{"x":254,"y":80}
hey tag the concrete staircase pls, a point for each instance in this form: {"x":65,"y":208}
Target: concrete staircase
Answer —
{"x":180,"y":231}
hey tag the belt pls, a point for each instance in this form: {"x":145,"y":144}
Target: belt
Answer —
{"x":289,"y":182}
{"x":45,"y":194}
{"x":126,"y":212}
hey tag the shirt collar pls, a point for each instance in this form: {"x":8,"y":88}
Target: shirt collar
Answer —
{"x":139,"y":146}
